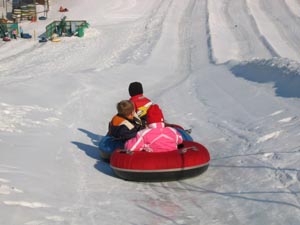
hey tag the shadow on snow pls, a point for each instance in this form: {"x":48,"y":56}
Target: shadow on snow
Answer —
{"x":92,"y":151}
{"x":285,"y":74}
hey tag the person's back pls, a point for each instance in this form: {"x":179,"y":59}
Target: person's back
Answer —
{"x":140,"y":102}
{"x":156,"y":137}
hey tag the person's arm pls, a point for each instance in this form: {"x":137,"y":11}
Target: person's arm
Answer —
{"x":125,"y":133}
{"x":135,"y":144}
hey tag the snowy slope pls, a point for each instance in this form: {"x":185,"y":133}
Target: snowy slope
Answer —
{"x":228,"y":69}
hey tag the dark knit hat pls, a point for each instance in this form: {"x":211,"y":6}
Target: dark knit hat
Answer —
{"x":154,"y":114}
{"x":135,"y":88}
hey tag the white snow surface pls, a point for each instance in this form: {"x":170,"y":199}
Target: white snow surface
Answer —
{"x":228,"y":69}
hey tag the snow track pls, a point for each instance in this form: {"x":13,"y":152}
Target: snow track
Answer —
{"x":282,"y":32}
{"x":294,"y":6}
{"x":249,"y":28}
{"x":287,"y":25}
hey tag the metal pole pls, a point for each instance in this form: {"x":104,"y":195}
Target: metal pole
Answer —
{"x":3,"y":8}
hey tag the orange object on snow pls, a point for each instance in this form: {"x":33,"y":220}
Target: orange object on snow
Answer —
{"x":62,"y":9}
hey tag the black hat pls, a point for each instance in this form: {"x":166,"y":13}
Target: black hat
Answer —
{"x":135,"y":88}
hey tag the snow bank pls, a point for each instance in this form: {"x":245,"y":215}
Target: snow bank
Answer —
{"x":284,"y":73}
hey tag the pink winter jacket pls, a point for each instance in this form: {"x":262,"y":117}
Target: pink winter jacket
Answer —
{"x":155,"y":138}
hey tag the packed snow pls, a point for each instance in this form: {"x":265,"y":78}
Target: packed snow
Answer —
{"x":228,"y":69}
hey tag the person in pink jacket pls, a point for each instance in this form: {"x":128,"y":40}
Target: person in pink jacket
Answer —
{"x":155,"y":137}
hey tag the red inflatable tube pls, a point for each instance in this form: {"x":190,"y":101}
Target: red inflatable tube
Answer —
{"x":190,"y":160}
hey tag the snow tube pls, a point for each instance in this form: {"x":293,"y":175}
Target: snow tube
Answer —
{"x":107,"y":145}
{"x":42,"y":18}
{"x":190,"y":160}
{"x":26,"y":36}
{"x":185,"y":135}
{"x":55,"y":39}
{"x":43,"y":40}
{"x":6,"y":39}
